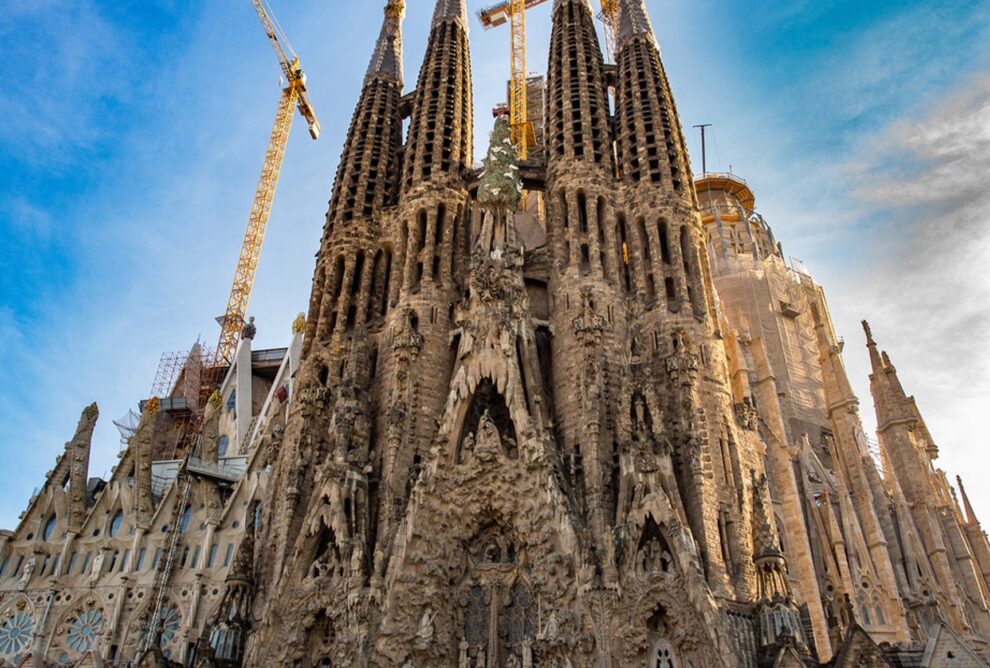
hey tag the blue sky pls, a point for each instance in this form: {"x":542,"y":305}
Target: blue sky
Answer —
{"x":134,"y":131}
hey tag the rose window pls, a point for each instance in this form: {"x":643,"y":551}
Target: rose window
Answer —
{"x":85,"y":629}
{"x":15,"y":635}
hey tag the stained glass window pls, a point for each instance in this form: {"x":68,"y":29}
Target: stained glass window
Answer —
{"x":170,"y":628}
{"x":49,"y":529}
{"x":85,"y":629}
{"x":116,"y":523}
{"x":476,"y":617}
{"x":519,"y":614}
{"x":15,"y":635}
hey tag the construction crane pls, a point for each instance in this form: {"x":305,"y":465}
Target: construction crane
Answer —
{"x":232,"y":322}
{"x":513,"y":12}
{"x":293,"y":97}
{"x":609,"y":16}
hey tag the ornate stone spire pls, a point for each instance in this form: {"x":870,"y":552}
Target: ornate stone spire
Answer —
{"x":970,"y":515}
{"x":765,"y":543}
{"x":451,"y":10}
{"x":634,"y":21}
{"x":77,"y":450}
{"x":440,"y":144}
{"x":386,"y":61}
{"x":875,"y":359}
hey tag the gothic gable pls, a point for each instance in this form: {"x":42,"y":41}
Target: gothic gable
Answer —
{"x":945,"y":649}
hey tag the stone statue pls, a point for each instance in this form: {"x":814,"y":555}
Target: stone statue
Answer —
{"x":97,"y":570}
{"x":551,"y":631}
{"x":489,"y":440}
{"x":424,"y":634}
{"x":28,"y":572}
{"x":463,"y":660}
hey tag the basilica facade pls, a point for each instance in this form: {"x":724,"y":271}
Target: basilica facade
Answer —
{"x":572,"y":410}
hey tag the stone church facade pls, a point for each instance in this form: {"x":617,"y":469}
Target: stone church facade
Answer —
{"x":610,"y":429}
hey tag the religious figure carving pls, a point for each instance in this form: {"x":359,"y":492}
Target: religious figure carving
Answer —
{"x":424,"y":634}
{"x":489,"y":442}
{"x":97,"y":570}
{"x":746,"y":415}
{"x":28,"y":572}
{"x":551,"y":630}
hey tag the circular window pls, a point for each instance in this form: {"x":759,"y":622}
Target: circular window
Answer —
{"x":49,"y":529}
{"x":116,"y":523}
{"x":85,"y":629}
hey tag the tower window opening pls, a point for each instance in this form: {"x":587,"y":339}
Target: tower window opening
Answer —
{"x":358,"y":270}
{"x":664,"y":241}
{"x":644,"y":239}
{"x":582,"y":212}
{"x":421,"y":223}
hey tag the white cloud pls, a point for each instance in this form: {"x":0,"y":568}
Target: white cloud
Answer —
{"x":926,"y":287}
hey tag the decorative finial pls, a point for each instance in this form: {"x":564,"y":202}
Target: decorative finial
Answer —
{"x":869,"y":334}
{"x":299,"y":324}
{"x":395,"y":9}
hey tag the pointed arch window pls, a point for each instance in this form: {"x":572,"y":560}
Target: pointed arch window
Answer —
{"x":519,"y":624}
{"x":186,"y":518}
{"x":49,"y":529}
{"x":476,"y":617}
{"x":116,"y":523}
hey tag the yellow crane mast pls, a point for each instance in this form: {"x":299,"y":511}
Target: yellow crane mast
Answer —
{"x":293,"y":97}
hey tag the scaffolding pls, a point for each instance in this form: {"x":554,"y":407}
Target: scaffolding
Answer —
{"x":171,"y":365}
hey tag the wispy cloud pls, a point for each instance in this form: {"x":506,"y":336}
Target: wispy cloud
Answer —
{"x":922,"y":182}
